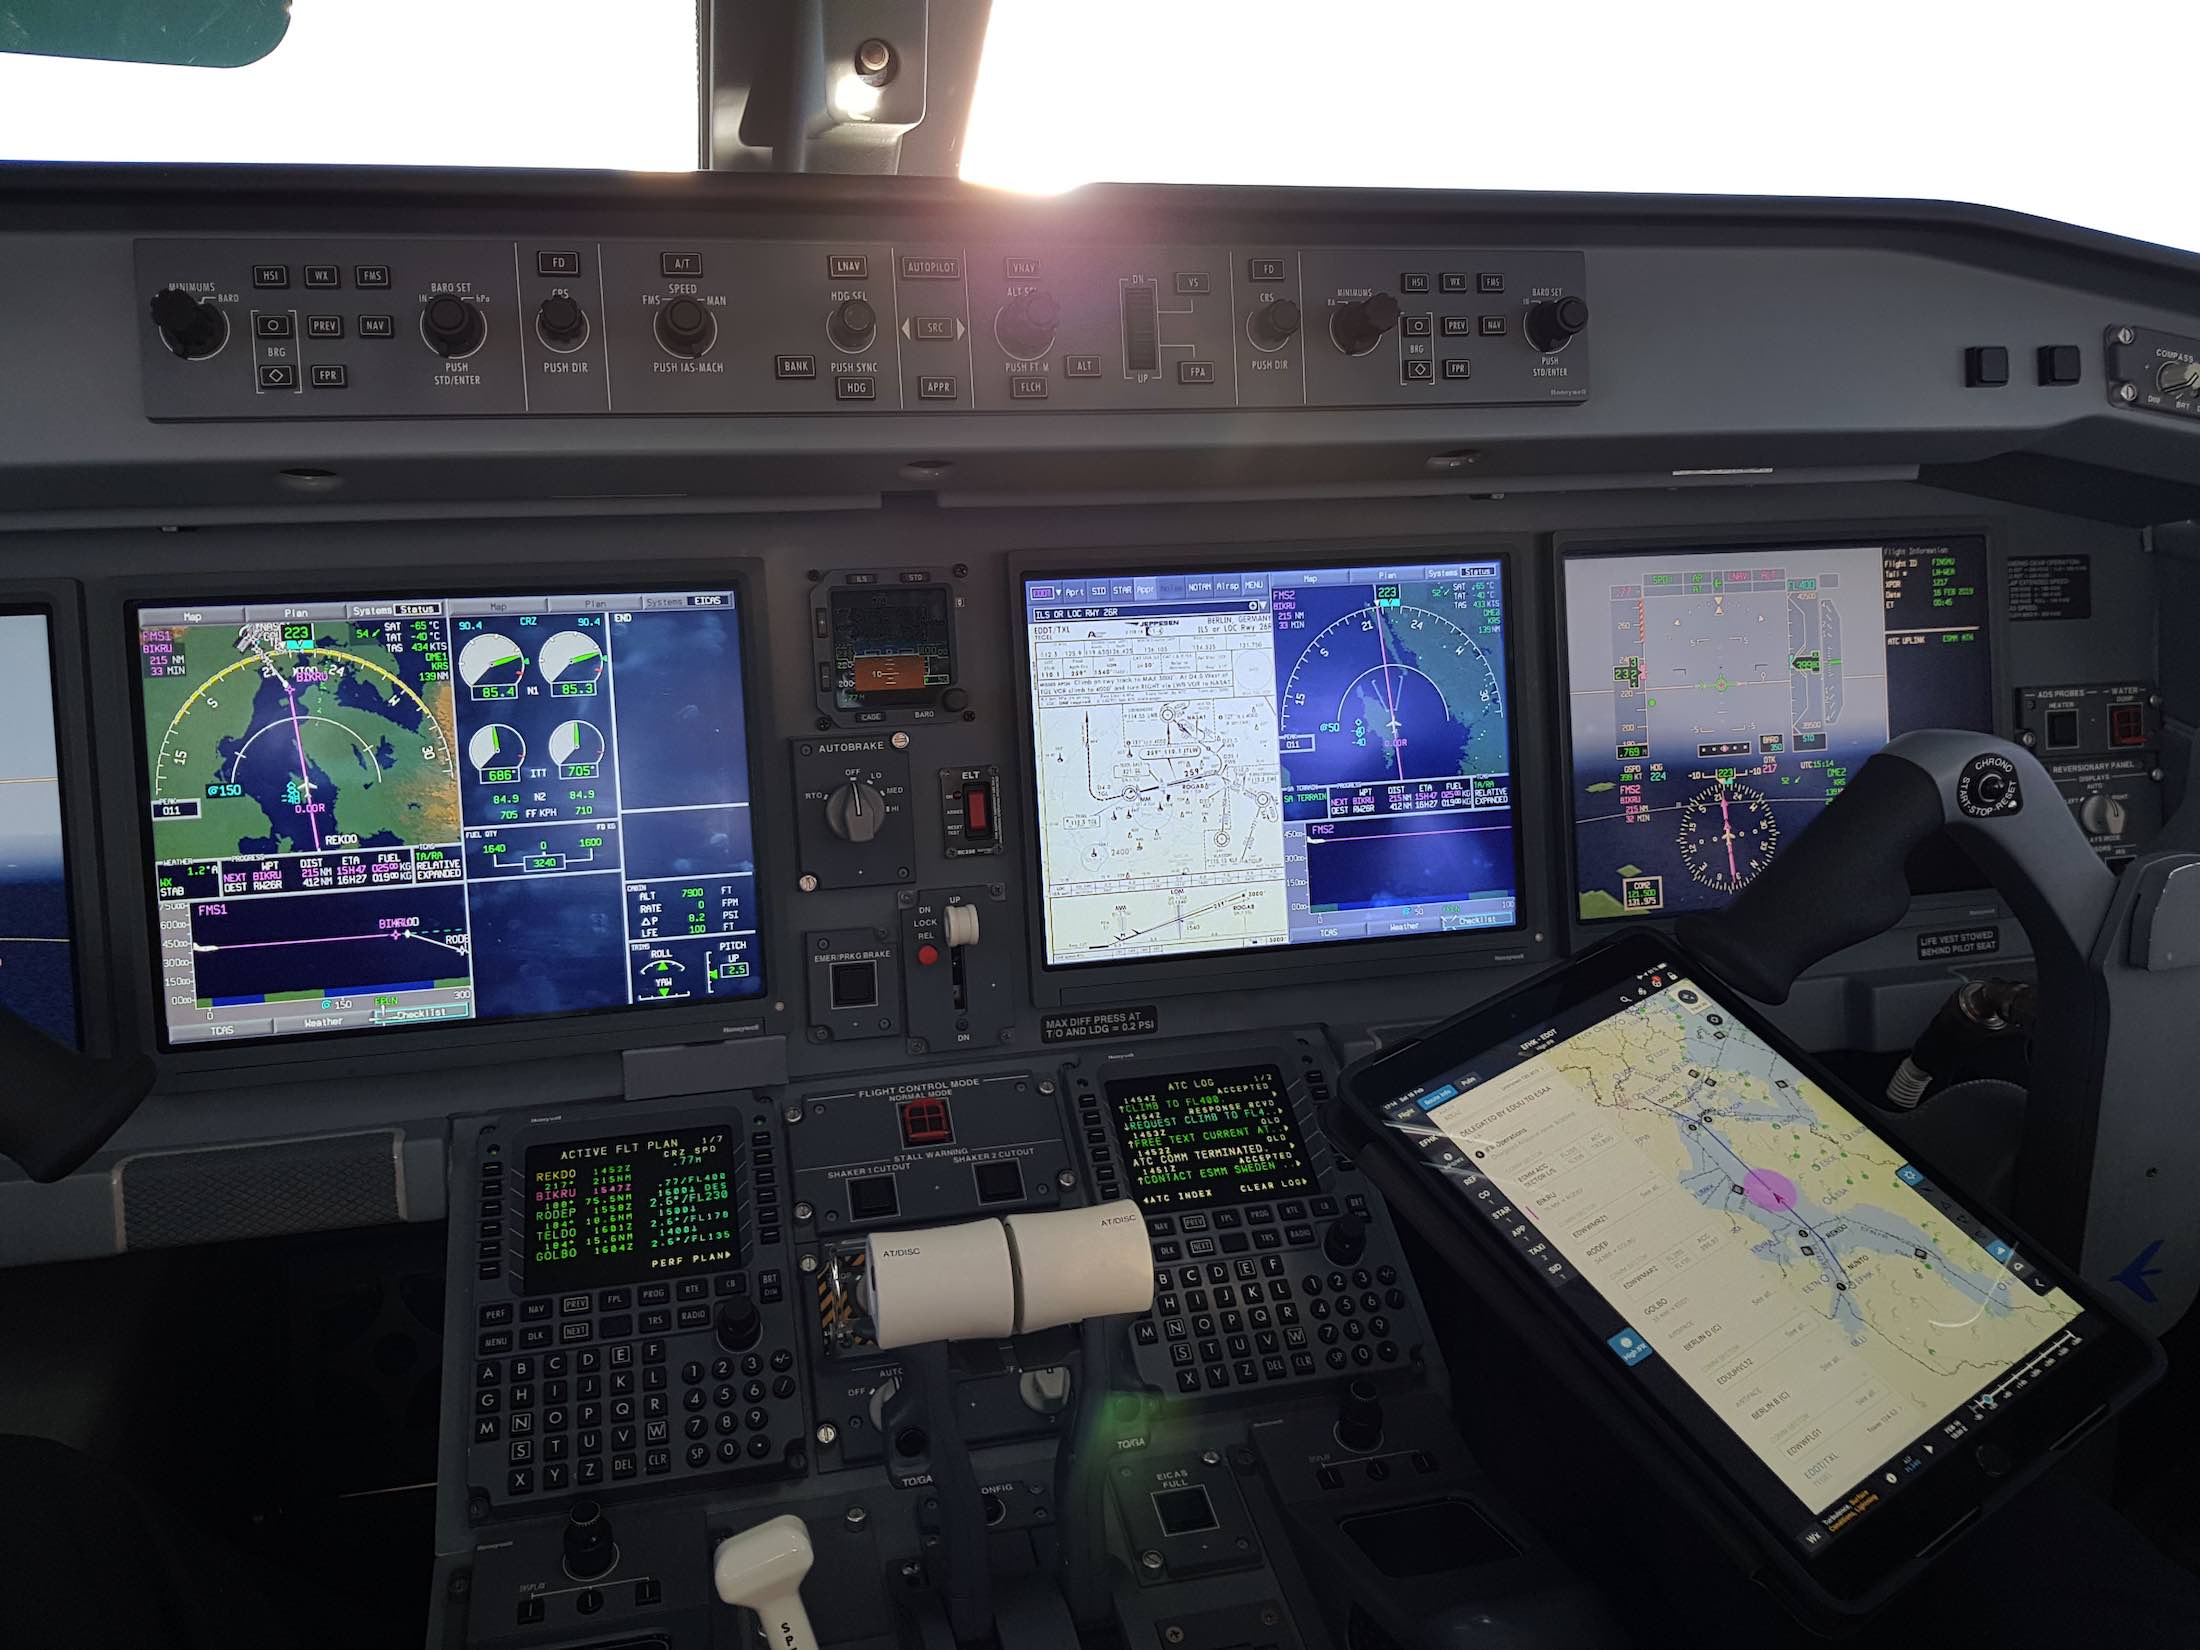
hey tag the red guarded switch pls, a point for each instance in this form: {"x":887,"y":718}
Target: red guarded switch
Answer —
{"x":978,"y":812}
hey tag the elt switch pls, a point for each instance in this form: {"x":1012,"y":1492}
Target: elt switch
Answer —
{"x":978,"y":812}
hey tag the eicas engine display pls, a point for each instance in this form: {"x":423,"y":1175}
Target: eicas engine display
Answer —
{"x":398,"y":811}
{"x":1721,"y":698}
{"x":1276,"y":756}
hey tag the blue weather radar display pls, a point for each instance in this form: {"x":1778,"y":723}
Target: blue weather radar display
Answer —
{"x":1283,"y":757}
{"x":389,"y":812}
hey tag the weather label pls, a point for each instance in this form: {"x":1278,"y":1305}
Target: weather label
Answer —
{"x":1230,"y":760}
{"x":1719,"y":700}
{"x":403,"y":812}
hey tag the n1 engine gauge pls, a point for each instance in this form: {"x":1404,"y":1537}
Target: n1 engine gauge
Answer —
{"x":884,"y":646}
{"x":1727,"y":835}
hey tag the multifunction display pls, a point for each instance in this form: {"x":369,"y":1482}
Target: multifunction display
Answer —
{"x":1261,"y":758}
{"x":405,"y":811}
{"x":1209,"y":1137}
{"x":37,"y":979}
{"x":1720,"y":699}
{"x":1738,"y":1238}
{"x":611,"y":1211}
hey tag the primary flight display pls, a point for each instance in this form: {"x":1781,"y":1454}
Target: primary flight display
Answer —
{"x":405,"y":811}
{"x":1721,"y":698}
{"x":1283,"y":756}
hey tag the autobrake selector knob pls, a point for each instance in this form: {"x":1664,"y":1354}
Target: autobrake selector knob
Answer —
{"x":561,"y":321}
{"x":1360,"y":1416}
{"x":855,"y":812}
{"x":1025,"y":326}
{"x":452,"y":326}
{"x":1346,"y":1240}
{"x":686,"y":327}
{"x":853,"y":325}
{"x":590,"y":1550}
{"x":1552,"y":324}
{"x":1358,"y":328}
{"x":738,"y":1324}
{"x":190,"y":328}
{"x":1275,"y":324}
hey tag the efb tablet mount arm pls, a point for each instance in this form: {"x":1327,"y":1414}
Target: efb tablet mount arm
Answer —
{"x":2108,"y":1171}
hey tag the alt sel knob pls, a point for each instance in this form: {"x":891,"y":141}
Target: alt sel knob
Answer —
{"x":1552,"y":324}
{"x":853,"y":325}
{"x":686,"y":328}
{"x":192,"y":329}
{"x":1274,"y":324}
{"x":453,"y":327}
{"x":1025,"y":326}
{"x":855,"y":812}
{"x":1358,"y":328}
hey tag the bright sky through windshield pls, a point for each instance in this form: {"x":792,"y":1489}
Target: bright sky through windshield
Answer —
{"x":2015,"y":103}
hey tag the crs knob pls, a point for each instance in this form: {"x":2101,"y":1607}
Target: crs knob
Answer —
{"x":1025,"y":326}
{"x":452,"y":327}
{"x":562,"y":323}
{"x":189,"y":327}
{"x":856,"y":812}
{"x":852,"y":326}
{"x":686,"y":328}
{"x":1346,"y":1240}
{"x":1358,"y":328}
{"x":1552,"y":324}
{"x":737,"y":1324}
{"x":1274,"y":324}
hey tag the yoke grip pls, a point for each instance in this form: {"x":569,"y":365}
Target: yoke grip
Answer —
{"x":1840,"y":881}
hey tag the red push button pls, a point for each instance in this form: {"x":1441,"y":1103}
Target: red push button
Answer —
{"x":928,"y":954}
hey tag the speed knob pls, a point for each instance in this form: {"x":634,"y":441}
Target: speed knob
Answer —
{"x":1553,"y":323}
{"x":452,"y":327}
{"x":562,"y":322}
{"x":853,"y":325}
{"x":1357,"y":328}
{"x":855,"y":812}
{"x":190,"y":328}
{"x":1025,"y":326}
{"x":685,"y":327}
{"x":1274,"y":324}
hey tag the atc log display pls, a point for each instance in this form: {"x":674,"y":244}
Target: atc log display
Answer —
{"x":1203,"y":1138}
{"x":384,"y":812}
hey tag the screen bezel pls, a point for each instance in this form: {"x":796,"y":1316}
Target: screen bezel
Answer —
{"x":60,"y":607}
{"x":615,"y":1026}
{"x":1569,"y":548}
{"x":1857,"y":1570}
{"x":1526,"y":938}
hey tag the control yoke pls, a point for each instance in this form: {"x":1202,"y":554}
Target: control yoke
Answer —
{"x":2108,"y":1156}
{"x":57,"y":1106}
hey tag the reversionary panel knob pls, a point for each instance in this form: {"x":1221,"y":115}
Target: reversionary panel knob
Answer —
{"x":1358,"y":328}
{"x":189,"y":327}
{"x":1553,"y":323}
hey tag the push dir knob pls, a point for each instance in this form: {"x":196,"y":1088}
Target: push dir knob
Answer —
{"x":452,"y":326}
{"x":855,"y":812}
{"x":685,"y":327}
{"x":1552,"y":323}
{"x":1358,"y":328}
{"x":189,"y":328}
{"x":1274,"y":324}
{"x":590,"y":1550}
{"x":1025,"y":326}
{"x":561,"y":321}
{"x":738,"y":1324}
{"x":1346,"y":1240}
{"x":853,"y":325}
{"x":1360,"y":1416}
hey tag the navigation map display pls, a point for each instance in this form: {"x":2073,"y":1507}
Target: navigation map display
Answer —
{"x":414,"y":810}
{"x":37,"y":970}
{"x":1191,"y":1139}
{"x":1296,"y":756}
{"x":1728,"y":1230}
{"x":1720,"y":699}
